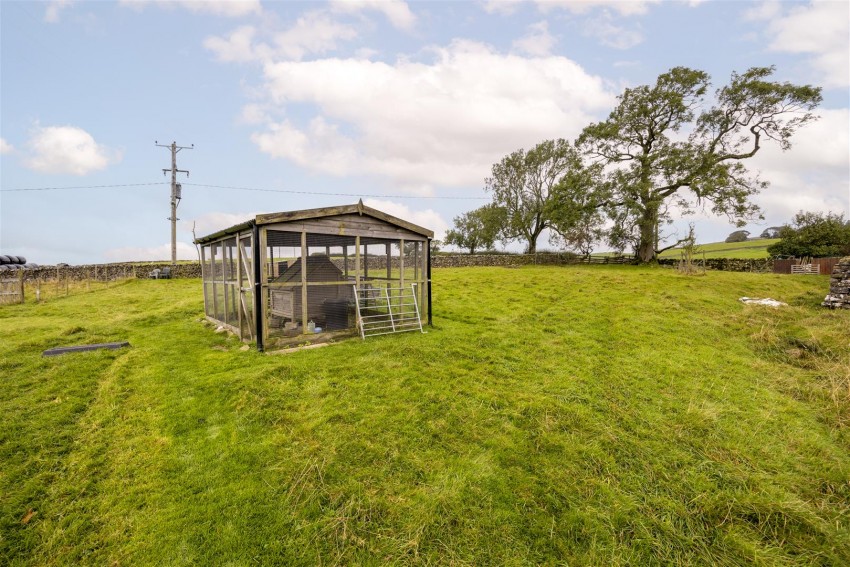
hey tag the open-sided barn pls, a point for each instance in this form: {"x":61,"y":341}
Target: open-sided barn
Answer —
{"x":280,"y":276}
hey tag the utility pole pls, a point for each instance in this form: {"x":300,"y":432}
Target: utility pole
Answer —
{"x":176,"y":190}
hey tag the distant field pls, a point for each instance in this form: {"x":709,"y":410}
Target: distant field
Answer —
{"x":580,"y":415}
{"x":751,"y":249}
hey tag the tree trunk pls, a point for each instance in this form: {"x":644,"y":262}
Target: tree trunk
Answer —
{"x":648,"y":229}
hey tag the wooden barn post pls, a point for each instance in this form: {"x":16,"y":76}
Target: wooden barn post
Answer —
{"x":304,"y":311}
{"x":264,"y":281}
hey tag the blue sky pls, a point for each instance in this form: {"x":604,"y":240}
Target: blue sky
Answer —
{"x":311,"y":104}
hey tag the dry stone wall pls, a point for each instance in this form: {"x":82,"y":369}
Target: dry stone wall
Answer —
{"x":468,"y":260}
{"x":839,"y":286}
{"x":109,"y":272}
{"x":117,"y":271}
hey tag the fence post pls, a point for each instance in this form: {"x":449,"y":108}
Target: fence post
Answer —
{"x":21,"y":284}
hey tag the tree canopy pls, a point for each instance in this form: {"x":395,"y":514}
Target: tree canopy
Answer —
{"x":534,"y":189}
{"x":653,"y":163}
{"x":738,"y":236}
{"x":478,"y":229}
{"x":813,"y":234}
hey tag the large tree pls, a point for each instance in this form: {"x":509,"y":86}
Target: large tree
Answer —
{"x":478,"y":229}
{"x":663,"y":148}
{"x":813,"y":234}
{"x":529,"y":188}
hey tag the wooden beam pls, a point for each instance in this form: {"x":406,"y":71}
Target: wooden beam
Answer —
{"x":401,"y":274}
{"x":204,"y":278}
{"x":240,"y":305}
{"x":291,"y":216}
{"x":264,"y":282}
{"x":304,"y":313}
{"x":423,"y":289}
{"x":357,"y":261}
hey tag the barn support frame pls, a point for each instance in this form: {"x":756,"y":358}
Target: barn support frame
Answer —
{"x":300,"y":262}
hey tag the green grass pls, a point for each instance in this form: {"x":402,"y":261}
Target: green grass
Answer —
{"x":749,"y":250}
{"x":578,"y":415}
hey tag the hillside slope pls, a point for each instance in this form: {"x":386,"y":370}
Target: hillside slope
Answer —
{"x":593,"y":415}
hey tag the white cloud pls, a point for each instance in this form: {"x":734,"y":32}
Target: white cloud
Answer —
{"x":254,"y":114}
{"x":67,"y":150}
{"x":423,"y":124}
{"x":5,"y":147}
{"x":224,"y":8}
{"x":608,"y":33}
{"x":814,"y":174}
{"x":821,"y":28}
{"x":502,"y":7}
{"x":54,"y":7}
{"x":538,"y":41}
{"x":622,"y":7}
{"x":185,"y":251}
{"x":313,"y":32}
{"x":237,"y":47}
{"x":427,"y":218}
{"x":208,"y":223}
{"x":396,"y":11}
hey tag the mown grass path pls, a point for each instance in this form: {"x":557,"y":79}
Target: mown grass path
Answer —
{"x":581,"y":415}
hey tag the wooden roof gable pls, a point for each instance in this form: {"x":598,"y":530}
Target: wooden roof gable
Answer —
{"x":359,"y":209}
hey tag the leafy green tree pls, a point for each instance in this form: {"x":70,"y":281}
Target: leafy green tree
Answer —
{"x":529,"y":187}
{"x":478,"y":229}
{"x":662,"y":149}
{"x":577,"y":219}
{"x":738,"y":236}
{"x":813,"y":234}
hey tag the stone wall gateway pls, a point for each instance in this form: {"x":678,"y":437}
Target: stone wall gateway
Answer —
{"x":839,"y":286}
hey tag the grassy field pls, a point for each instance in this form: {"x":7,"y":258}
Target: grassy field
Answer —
{"x":751,"y":249}
{"x":602,"y":415}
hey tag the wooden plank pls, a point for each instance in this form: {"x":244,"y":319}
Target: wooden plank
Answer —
{"x":289,"y":216}
{"x":347,"y":225}
{"x":357,"y":261}
{"x":284,"y":285}
{"x":84,"y":348}
{"x":249,"y":277}
{"x":397,"y":221}
{"x":204,"y":271}
{"x":423,"y":272}
{"x":401,"y":271}
{"x":212,"y":278}
{"x":304,"y":313}
{"x":359,"y":210}
{"x":240,"y":304}
{"x":264,"y":282}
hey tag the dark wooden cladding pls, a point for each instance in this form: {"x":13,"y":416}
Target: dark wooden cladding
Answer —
{"x":358,"y":211}
{"x":347,"y":225}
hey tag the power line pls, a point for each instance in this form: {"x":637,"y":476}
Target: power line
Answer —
{"x":82,"y":187}
{"x":210,"y":186}
{"x":333,"y":194}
